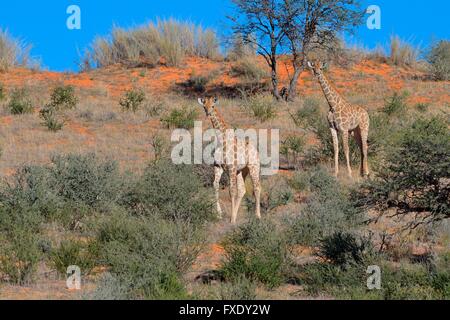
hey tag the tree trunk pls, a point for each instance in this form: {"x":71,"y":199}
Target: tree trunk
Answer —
{"x":293,"y":84}
{"x":275,"y":91}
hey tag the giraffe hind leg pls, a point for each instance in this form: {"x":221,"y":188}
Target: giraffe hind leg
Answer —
{"x":256,"y":181}
{"x":361,"y":138}
{"x":240,"y":186}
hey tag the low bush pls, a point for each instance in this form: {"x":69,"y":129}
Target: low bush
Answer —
{"x":414,"y":178}
{"x":198,"y":83}
{"x":109,"y":288}
{"x":327,"y":210}
{"x":249,"y":70}
{"x":406,"y":282}
{"x":50,"y":119}
{"x":396,"y":105}
{"x":19,"y":102}
{"x":206,"y":174}
{"x":276,"y":193}
{"x":439,"y":58}
{"x":20,"y":252}
{"x":74,"y":253}
{"x":2,"y":92}
{"x":19,"y":256}
{"x":241,"y":289}
{"x":261,"y":106}
{"x":65,"y":190}
{"x":292,"y":148}
{"x":147,"y":255}
{"x":63,"y":98}
{"x":308,"y":115}
{"x":132,"y":100}
{"x":184,"y":197}
{"x":183,"y":118}
{"x":258,"y":251}
{"x":342,"y":248}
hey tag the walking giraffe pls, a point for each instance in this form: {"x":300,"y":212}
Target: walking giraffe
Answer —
{"x":344,"y":118}
{"x":240,"y":159}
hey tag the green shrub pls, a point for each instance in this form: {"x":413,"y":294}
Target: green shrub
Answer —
{"x":292,"y":148}
{"x":300,"y":181}
{"x":249,"y":70}
{"x":132,"y":100}
{"x":109,"y":288}
{"x":198,"y":83}
{"x":261,"y":106}
{"x":206,"y":175}
{"x":241,"y":289}
{"x":413,"y":178}
{"x":65,"y":190}
{"x":342,"y":248}
{"x":276,"y":193}
{"x":154,"y":106}
{"x":180,"y":118}
{"x":439,"y":58}
{"x":63,"y":98}
{"x":258,"y":251}
{"x":50,"y":119}
{"x":2,"y":92}
{"x":396,"y":104}
{"x":148,"y":255}
{"x":74,"y":253}
{"x":19,"y":102}
{"x":19,"y":255}
{"x":422,"y":107}
{"x":327,"y":210}
{"x":309,"y":115}
{"x":87,"y":180}
{"x":184,"y":197}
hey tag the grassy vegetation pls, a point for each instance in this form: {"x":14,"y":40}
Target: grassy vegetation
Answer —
{"x":182,"y":118}
{"x":164,"y":40}
{"x":20,"y":102}
{"x":403,"y":53}
{"x":439,"y":58}
{"x":261,"y":106}
{"x":13,"y":52}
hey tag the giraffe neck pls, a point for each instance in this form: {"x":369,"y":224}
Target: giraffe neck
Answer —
{"x":217,"y":122}
{"x":221,"y":127}
{"x":332,"y":96}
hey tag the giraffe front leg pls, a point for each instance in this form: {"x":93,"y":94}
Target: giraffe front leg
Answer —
{"x":233,"y":195}
{"x":334,"y":133}
{"x":345,"y":138}
{"x":218,"y":172}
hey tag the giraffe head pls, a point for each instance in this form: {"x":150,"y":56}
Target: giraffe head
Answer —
{"x":316,"y":67}
{"x":208,"y":103}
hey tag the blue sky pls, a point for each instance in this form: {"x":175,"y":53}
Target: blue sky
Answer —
{"x":43,"y":23}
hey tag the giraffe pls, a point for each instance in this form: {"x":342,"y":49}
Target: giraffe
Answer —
{"x":234,"y":149}
{"x":344,"y":118}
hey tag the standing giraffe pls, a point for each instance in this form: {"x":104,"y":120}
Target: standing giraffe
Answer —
{"x":344,"y":118}
{"x":240,"y":159}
